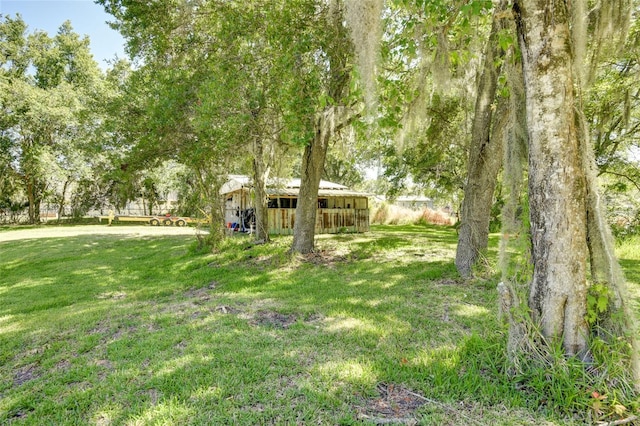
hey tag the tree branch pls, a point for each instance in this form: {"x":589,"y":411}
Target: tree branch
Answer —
{"x":619,"y":422}
{"x":622,"y":175}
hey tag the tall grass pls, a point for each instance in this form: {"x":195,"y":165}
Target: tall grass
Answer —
{"x":389,"y":214}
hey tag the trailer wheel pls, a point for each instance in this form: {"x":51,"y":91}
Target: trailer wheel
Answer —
{"x":167,"y":222}
{"x":181,"y":222}
{"x":154,"y":222}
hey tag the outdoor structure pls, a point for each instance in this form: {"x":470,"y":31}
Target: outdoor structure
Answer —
{"x":339,"y":208}
{"x":414,"y":202}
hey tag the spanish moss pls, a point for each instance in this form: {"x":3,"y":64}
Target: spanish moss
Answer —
{"x":608,"y":23}
{"x":364,"y":20}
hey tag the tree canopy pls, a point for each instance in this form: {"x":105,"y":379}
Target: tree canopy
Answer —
{"x":48,"y":87}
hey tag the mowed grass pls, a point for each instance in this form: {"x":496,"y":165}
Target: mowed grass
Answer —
{"x":373,"y":328}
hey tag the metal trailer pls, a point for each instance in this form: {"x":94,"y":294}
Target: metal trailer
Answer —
{"x":151,"y":220}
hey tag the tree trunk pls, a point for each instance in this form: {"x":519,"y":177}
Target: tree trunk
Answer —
{"x":312,"y":167}
{"x":209,"y":184}
{"x":31,"y":197}
{"x":485,"y":159}
{"x":34,"y":189}
{"x":62,"y":198}
{"x":261,"y":171}
{"x":619,"y":318}
{"x":558,"y":289}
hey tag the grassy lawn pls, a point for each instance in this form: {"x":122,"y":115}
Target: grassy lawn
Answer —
{"x":373,"y":328}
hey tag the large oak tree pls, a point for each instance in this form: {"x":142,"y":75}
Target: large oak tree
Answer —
{"x":565,"y":216}
{"x":47,"y":85}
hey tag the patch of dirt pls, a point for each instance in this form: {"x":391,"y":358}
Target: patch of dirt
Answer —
{"x":273,"y":319}
{"x":394,"y":405}
{"x":115,"y":295}
{"x":23,"y":357}
{"x":264,"y":261}
{"x":20,"y":414}
{"x":198,"y":293}
{"x":197,"y":314}
{"x":63,"y":365}
{"x":153,"y":394}
{"x":122,"y":331}
{"x":110,"y":332}
{"x":313,"y":318}
{"x":201,"y":293}
{"x":25,"y":374}
{"x":181,"y":309}
{"x":193,"y":303}
{"x":103,"y":363}
{"x":269,"y":318}
{"x":103,"y":327}
{"x":228,"y":310}
{"x":326,"y":258}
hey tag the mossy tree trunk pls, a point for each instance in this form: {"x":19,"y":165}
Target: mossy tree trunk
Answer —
{"x":313,"y":160}
{"x":328,"y":120}
{"x":485,"y":158}
{"x":557,"y":195}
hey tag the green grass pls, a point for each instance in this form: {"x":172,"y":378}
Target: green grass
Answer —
{"x":116,"y":330}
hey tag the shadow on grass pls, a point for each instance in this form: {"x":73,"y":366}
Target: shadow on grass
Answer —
{"x":52,"y":281}
{"x":437,"y":233}
{"x":146,"y":331}
{"x":631,"y":271}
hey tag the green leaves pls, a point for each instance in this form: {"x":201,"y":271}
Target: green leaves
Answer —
{"x":476,"y":7}
{"x":598,"y":299}
{"x":505,"y":40}
{"x":48,"y":110}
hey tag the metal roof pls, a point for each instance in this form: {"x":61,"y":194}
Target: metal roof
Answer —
{"x":289,"y":187}
{"x":413,"y":198}
{"x":293,"y":192}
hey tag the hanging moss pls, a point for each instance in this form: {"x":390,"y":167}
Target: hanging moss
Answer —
{"x":364,"y":19}
{"x":608,"y":24}
{"x":441,"y":66}
{"x":579,"y":37}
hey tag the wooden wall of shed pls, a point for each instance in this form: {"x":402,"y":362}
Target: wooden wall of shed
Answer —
{"x":328,"y":221}
{"x":343,"y":214}
{"x":346,"y":202}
